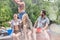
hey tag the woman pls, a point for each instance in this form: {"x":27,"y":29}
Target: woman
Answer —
{"x":27,"y":26}
{"x":21,"y":8}
{"x":15,"y":27}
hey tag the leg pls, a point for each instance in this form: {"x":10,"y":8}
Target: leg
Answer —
{"x":46,"y":35}
{"x":34,"y":33}
{"x":25,"y":33}
{"x":29,"y":35}
{"x":18,"y":36}
{"x":14,"y":36}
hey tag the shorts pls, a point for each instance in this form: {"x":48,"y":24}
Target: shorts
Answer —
{"x":39,"y":30}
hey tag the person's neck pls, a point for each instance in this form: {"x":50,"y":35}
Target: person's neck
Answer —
{"x":22,"y":11}
{"x":15,"y":19}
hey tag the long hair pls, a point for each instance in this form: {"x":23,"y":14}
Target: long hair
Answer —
{"x":27,"y":21}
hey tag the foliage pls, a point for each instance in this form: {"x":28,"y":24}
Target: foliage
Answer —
{"x":33,"y":9}
{"x":5,"y":11}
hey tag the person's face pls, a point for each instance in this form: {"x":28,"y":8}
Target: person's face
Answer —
{"x":22,"y":6}
{"x":42,"y":14}
{"x":15,"y":16}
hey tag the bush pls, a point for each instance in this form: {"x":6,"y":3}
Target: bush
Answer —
{"x":8,"y":8}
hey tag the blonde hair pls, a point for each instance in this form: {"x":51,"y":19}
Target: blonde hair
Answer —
{"x":15,"y":15}
{"x":27,"y":21}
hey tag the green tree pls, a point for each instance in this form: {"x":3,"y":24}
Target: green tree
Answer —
{"x":33,"y":9}
{"x":5,"y":11}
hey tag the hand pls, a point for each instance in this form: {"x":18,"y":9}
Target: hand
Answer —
{"x":17,"y":1}
{"x":9,"y":22}
{"x":43,"y":28}
{"x":20,"y":21}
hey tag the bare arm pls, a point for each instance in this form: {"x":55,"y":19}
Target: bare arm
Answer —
{"x":15,"y":1}
{"x":19,"y":2}
{"x":45,"y":27}
{"x":9,"y":22}
{"x":35,"y":25}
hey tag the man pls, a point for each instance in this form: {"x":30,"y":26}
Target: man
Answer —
{"x":42,"y":21}
{"x":21,"y":8}
{"x":42,"y":24}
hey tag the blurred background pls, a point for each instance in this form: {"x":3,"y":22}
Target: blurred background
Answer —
{"x":33,"y":8}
